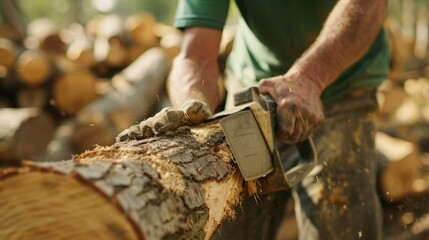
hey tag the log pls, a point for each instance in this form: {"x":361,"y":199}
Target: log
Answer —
{"x":81,"y":51}
{"x":171,"y":42}
{"x":33,"y":67}
{"x":80,"y":47}
{"x":8,"y":53}
{"x":91,"y":26}
{"x":73,"y":88}
{"x":390,"y":96}
{"x":24,"y":134}
{"x":60,"y":147}
{"x":136,"y":93}
{"x":46,"y":35}
{"x":32,"y":97}
{"x":401,"y":176}
{"x":176,"y":186}
{"x":140,"y":28}
{"x":110,"y":45}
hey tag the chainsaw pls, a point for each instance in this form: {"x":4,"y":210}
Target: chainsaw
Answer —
{"x":249,"y":128}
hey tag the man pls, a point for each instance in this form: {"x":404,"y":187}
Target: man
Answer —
{"x":320,"y":62}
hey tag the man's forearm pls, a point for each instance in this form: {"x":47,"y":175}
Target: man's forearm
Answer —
{"x":192,"y":80}
{"x":345,"y":38}
{"x":195,"y":72}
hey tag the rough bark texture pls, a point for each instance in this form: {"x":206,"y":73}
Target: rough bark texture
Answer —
{"x":177,"y":186}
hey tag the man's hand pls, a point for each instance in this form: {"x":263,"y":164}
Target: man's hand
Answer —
{"x":299,"y":108}
{"x":169,"y":119}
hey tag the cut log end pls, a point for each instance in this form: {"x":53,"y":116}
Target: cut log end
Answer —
{"x":56,"y":205}
{"x":74,"y":90}
{"x":33,"y":67}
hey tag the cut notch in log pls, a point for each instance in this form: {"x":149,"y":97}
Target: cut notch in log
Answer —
{"x":178,"y":186}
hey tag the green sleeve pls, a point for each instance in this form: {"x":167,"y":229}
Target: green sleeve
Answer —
{"x":201,"y":13}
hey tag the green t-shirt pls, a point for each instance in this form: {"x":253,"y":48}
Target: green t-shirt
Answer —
{"x":272,"y":34}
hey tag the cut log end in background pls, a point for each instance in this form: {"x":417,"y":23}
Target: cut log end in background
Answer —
{"x":177,"y":186}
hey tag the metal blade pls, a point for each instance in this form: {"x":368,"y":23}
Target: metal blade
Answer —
{"x":248,"y":144}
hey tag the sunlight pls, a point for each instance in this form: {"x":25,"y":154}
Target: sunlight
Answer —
{"x":104,"y":5}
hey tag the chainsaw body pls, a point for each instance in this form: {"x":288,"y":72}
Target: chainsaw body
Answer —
{"x":249,"y":128}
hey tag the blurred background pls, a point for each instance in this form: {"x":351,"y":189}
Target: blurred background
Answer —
{"x":75,"y":73}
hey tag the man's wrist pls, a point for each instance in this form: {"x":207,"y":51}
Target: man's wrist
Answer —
{"x":309,"y":79}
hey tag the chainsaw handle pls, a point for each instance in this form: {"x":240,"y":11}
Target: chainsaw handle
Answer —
{"x":306,"y":149}
{"x":280,"y":178}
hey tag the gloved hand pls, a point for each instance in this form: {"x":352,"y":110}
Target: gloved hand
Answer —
{"x":168,"y":119}
{"x":299,"y":108}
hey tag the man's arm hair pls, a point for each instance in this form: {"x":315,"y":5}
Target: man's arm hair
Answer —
{"x":195,"y":72}
{"x":346,"y":36}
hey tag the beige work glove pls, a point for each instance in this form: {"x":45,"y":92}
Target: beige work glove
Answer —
{"x":191,"y":112}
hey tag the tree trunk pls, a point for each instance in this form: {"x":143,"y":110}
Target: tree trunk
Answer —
{"x":177,"y":186}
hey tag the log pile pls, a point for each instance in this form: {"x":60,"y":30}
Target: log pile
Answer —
{"x":99,"y":78}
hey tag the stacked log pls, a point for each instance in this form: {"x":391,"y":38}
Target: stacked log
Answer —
{"x":33,"y":67}
{"x":73,"y":88}
{"x":8,"y":53}
{"x":45,"y":35}
{"x":24,"y":134}
{"x":68,"y":73}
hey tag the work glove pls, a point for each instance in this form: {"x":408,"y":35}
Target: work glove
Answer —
{"x":191,"y":112}
{"x":299,"y":108}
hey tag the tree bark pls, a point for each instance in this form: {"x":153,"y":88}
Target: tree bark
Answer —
{"x":177,"y":186}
